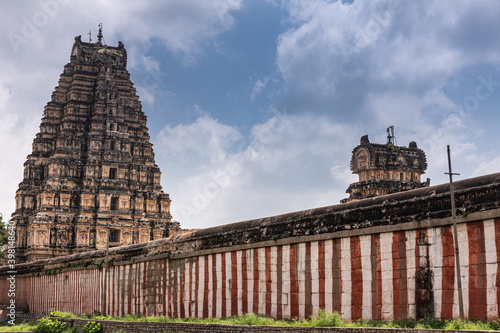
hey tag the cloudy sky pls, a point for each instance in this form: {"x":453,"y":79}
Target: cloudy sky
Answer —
{"x":254,"y":106}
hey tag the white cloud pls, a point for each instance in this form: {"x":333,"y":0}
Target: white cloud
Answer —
{"x":258,"y":87}
{"x":487,"y":167}
{"x":206,"y":138}
{"x":285,"y":164}
{"x":339,"y":52}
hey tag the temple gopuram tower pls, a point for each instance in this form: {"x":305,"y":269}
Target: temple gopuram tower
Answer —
{"x":384,"y":169}
{"x":91,"y":177}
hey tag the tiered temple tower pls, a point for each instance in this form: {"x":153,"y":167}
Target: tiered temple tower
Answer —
{"x":384,"y":169}
{"x":92,"y":175}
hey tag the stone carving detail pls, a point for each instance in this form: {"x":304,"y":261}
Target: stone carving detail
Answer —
{"x":384,"y":169}
{"x":92,"y":166}
{"x":42,"y":236}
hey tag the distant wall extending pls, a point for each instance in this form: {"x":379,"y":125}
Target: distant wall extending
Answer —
{"x":385,"y":257}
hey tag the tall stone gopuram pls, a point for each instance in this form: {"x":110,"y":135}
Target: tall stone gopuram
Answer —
{"x":91,"y":176}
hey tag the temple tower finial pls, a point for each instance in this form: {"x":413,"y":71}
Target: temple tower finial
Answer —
{"x":99,"y":35}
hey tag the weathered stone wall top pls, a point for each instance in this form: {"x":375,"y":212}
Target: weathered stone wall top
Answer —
{"x":473,"y":196}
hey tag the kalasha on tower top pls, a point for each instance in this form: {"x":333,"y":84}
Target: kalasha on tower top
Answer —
{"x":91,"y":177}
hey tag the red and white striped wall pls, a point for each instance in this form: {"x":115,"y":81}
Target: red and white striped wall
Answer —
{"x":372,"y":276}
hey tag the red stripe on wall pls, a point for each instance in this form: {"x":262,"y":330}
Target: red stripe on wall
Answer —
{"x":121,"y":288}
{"x":165,"y":287}
{"x":357,"y":279}
{"x":144,"y":284}
{"x":170,"y":290}
{"x":112,"y":290}
{"x":214,"y":285}
{"x":196,"y":295}
{"x":255,"y":281}
{"x":448,"y":284}
{"x":130,"y":285}
{"x":176,"y":290}
{"x":205,"y":290}
{"x":234,"y":284}
{"x":477,"y":270}
{"x":294,"y":285}
{"x":136,"y":289}
{"x":376,"y":277}
{"x":308,"y":286}
{"x":223,"y":264}
{"x":109,"y":291}
{"x":399,"y":275}
{"x":337,"y":277}
{"x":244,"y":281}
{"x":279,"y":282}
{"x":321,"y":273}
{"x":182,"y":272}
{"x":190,"y":286}
{"x":268,"y":281}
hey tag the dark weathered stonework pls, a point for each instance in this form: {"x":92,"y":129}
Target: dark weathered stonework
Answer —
{"x":402,"y":241}
{"x":384,"y":169}
{"x":471,"y":195}
{"x":424,"y":205}
{"x":92,"y":173}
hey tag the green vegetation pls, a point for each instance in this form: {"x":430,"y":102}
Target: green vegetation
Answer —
{"x":17,"y":328}
{"x":48,"y":325}
{"x":4,"y":236}
{"x":92,"y":327}
{"x":320,"y":319}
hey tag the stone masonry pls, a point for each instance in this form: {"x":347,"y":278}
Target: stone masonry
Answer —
{"x":384,"y":169}
{"x":384,"y":257}
{"x":91,"y":176}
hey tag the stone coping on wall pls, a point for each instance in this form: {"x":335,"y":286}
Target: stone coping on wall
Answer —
{"x":429,"y":203}
{"x":477,"y":199}
{"x":110,"y":326}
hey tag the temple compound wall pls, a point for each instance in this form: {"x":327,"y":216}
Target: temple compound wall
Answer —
{"x":377,"y":258}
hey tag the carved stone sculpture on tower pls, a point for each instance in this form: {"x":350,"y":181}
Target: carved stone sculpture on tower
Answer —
{"x":384,"y":169}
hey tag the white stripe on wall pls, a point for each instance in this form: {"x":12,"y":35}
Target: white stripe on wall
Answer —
{"x":436,"y":265}
{"x":411,"y":271}
{"x":463,"y":241}
{"x":346,"y":277}
{"x":314,"y":276}
{"x":491,"y":269}
{"x":366,"y":249}
{"x":328,"y":275}
{"x":387,"y":275}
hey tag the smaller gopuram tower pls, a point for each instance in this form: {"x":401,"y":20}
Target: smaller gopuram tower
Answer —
{"x":386,"y":168}
{"x":91,"y":179}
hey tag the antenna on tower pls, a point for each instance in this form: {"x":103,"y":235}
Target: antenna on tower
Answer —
{"x":90,"y":36}
{"x":391,"y":139}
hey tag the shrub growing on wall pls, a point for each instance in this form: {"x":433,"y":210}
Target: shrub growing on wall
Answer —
{"x":92,"y":327}
{"x":47,"y":325}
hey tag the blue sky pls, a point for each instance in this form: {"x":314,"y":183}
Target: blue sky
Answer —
{"x":254,"y":107}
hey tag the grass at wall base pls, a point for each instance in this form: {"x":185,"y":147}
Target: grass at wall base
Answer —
{"x":320,"y":319}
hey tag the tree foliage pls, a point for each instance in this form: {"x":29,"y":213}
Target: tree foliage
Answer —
{"x":4,"y":236}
